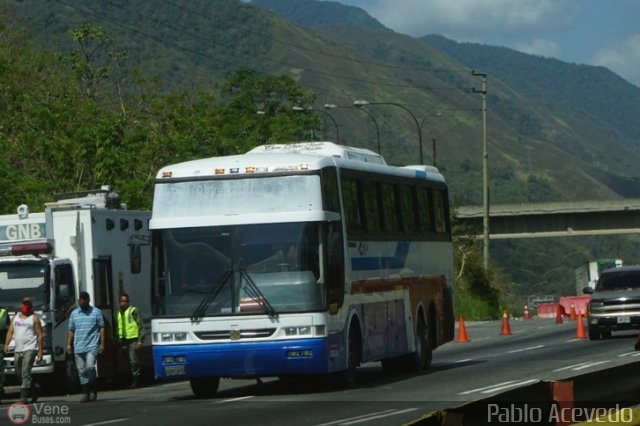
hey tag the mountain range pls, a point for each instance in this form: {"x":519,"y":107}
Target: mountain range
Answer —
{"x":556,"y":131}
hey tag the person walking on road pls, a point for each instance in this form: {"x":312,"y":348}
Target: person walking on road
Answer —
{"x":4,"y":327}
{"x":86,"y":339}
{"x":26,"y":332}
{"x":130,"y":335}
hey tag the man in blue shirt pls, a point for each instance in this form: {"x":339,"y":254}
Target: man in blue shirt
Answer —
{"x":85,"y":339}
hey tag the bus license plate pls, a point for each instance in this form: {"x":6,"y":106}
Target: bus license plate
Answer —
{"x":174,"y":370}
{"x":624,"y":320}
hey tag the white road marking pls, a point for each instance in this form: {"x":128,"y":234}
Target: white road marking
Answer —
{"x":240,"y":398}
{"x":513,"y":385}
{"x":107,"y":422}
{"x":368,"y":417}
{"x":629,"y":354}
{"x":486,"y":387}
{"x":581,"y":366}
{"x":569,"y":367}
{"x":379,"y":416}
{"x":500,"y":386}
{"x":592,"y":364}
{"x":526,"y":349}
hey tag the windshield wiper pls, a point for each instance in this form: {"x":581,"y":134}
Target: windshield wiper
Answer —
{"x":255,"y":294}
{"x":211,"y":296}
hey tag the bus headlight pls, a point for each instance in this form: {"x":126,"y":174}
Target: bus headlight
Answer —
{"x":306,"y":330}
{"x":166,"y":337}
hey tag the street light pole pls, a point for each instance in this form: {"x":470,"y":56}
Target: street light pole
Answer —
{"x":335,"y":123}
{"x":375,"y":122}
{"x":485,"y":167}
{"x":433,"y":140}
{"x":361,"y":103}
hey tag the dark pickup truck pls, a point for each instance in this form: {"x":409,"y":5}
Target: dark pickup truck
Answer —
{"x":615,"y":302}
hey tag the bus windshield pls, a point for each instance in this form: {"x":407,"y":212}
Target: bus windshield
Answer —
{"x":22,"y":279}
{"x":240,"y":270}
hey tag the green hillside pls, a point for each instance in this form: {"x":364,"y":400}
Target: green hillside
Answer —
{"x":310,"y":13}
{"x":556,"y":131}
{"x":561,"y":131}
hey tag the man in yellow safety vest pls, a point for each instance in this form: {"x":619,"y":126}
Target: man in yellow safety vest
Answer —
{"x":130,"y":335}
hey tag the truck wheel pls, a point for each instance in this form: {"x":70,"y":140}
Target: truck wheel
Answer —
{"x":594,"y":333}
{"x":204,"y":387}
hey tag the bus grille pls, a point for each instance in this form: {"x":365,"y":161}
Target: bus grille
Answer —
{"x":260,"y":333}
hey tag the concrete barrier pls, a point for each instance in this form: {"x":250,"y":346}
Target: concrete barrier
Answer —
{"x":579,"y":303}
{"x":547,"y":310}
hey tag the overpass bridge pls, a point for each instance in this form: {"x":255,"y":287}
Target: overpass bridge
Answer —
{"x":553,"y":219}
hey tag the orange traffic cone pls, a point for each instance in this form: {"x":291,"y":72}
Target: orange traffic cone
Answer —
{"x":526,"y":312}
{"x":462,"y":331}
{"x":559,"y":314}
{"x":506,"y":330}
{"x":580,"y":328}
{"x":572,"y":313}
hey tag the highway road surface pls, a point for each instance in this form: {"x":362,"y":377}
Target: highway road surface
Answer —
{"x":487,"y":365}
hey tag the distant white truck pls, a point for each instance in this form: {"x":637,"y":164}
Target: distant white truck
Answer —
{"x":588,"y":273}
{"x":82,"y":242}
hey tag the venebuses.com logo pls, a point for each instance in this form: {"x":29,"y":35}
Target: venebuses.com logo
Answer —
{"x":19,"y":413}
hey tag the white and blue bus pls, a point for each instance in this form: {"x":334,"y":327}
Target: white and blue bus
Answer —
{"x":298,"y":259}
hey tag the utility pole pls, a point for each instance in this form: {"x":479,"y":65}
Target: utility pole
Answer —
{"x":485,"y":168}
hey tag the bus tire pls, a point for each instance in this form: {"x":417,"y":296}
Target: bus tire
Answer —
{"x":204,"y":387}
{"x":348,"y":377}
{"x":424,"y":348}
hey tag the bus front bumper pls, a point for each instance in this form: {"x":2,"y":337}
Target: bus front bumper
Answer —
{"x":240,"y":359}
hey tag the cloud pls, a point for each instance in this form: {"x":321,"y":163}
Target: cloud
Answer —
{"x":540,"y":47}
{"x":622,"y":57}
{"x":471,"y":19}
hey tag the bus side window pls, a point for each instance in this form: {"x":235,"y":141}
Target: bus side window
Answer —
{"x":425,"y":222}
{"x":389,"y":202}
{"x":351,"y":196}
{"x":407,"y":210}
{"x":440,"y":211}
{"x":334,"y":278}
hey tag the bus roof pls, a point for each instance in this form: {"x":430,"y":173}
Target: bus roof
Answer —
{"x":292,"y":157}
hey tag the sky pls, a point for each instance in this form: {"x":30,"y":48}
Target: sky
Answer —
{"x":591,"y":32}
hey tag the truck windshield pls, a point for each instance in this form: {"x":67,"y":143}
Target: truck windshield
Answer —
{"x":619,"y":280}
{"x":22,"y":279}
{"x":240,"y":270}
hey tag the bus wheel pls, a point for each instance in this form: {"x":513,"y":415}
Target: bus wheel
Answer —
{"x":424,"y":351}
{"x":204,"y":387}
{"x":349,"y":376}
